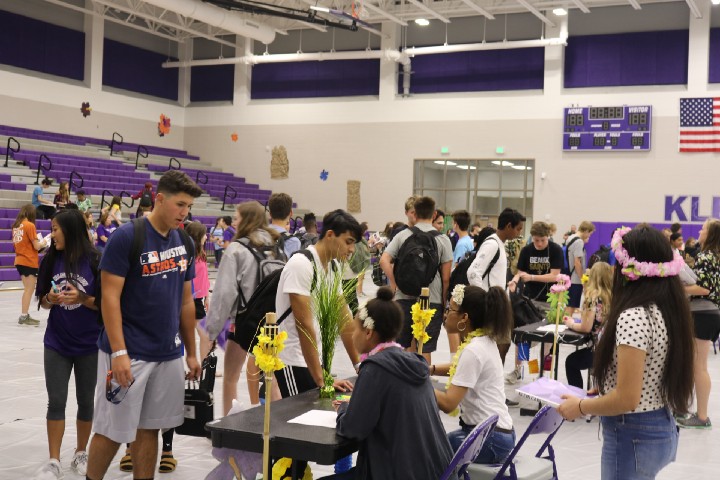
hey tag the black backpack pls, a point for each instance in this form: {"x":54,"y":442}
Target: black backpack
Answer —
{"x":134,"y":256}
{"x":417,"y":262}
{"x":146,"y":199}
{"x":601,"y":255}
{"x":268,"y":258}
{"x":567,"y":268}
{"x":459,"y":274}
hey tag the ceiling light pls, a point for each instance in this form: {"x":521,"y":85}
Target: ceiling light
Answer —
{"x":503,"y":163}
{"x":466,"y":167}
{"x":423,"y":22}
{"x":320,"y":9}
{"x":560,"y":12}
{"x":444,"y":162}
{"x":715,"y":2}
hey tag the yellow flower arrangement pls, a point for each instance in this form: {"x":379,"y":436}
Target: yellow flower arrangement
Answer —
{"x":584,"y":279}
{"x":421,"y":319}
{"x":456,"y":358}
{"x":267,"y":349}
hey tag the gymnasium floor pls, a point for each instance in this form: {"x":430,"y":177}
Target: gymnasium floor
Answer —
{"x":23,"y":401}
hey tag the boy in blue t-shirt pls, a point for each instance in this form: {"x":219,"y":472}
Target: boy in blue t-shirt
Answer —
{"x":465,"y":245}
{"x":147,"y":308}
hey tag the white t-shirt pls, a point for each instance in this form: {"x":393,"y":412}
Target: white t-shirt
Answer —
{"x":498,"y":275}
{"x":637,"y":330}
{"x":296,"y":277}
{"x":480,"y":370}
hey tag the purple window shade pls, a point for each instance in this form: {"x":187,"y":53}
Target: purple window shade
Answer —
{"x":137,"y":70}
{"x":210,"y":84}
{"x":336,"y":78}
{"x":481,"y":71}
{"x":41,"y":47}
{"x":714,"y":55}
{"x":645,"y":58}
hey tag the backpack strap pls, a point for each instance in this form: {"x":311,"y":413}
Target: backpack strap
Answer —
{"x":245,"y":242}
{"x":567,"y":255}
{"x":138,"y":241}
{"x":493,"y":261}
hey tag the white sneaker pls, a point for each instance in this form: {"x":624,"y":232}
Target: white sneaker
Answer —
{"x":512,"y":377}
{"x":52,"y":470}
{"x":79,"y":463}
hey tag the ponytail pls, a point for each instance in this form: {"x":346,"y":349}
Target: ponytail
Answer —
{"x":490,"y":311}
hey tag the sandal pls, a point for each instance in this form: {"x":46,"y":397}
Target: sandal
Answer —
{"x":126,"y":464}
{"x":167,"y":463}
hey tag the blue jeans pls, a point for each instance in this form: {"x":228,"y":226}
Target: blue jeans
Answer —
{"x":638,"y":445}
{"x":495,"y":450}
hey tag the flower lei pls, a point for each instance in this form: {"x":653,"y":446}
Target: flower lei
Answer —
{"x":558,"y":297}
{"x":267,"y":349}
{"x":379,"y":348}
{"x":453,"y":366}
{"x":562,"y":283}
{"x":458,"y":294}
{"x":634,"y":269}
{"x":367,"y":321}
{"x":421,"y":319}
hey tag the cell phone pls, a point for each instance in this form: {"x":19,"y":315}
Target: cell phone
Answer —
{"x":54,"y":286}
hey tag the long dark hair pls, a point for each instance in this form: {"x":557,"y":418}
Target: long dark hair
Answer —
{"x":489,"y":310}
{"x":76,"y":251}
{"x":649,"y":245}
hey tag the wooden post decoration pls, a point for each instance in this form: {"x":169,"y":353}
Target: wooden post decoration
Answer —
{"x":558,"y":298}
{"x":421,"y":316}
{"x":558,"y":316}
{"x":271,"y":330}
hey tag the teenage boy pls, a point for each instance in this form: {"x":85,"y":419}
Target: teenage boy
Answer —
{"x":577,"y":261}
{"x":424,"y":209}
{"x":409,"y":214}
{"x":461,"y":221}
{"x":280,"y":207}
{"x":147,"y":307}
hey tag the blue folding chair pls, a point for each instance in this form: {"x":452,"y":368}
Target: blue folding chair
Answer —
{"x":522,"y":467}
{"x":470,"y":449}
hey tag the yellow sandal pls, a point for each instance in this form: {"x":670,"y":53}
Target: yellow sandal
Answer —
{"x":126,"y":464}
{"x":167,"y":463}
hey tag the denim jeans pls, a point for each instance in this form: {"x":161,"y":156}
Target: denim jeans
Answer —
{"x":638,"y":445}
{"x":495,"y":450}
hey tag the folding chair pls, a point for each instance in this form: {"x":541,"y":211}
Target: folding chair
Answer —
{"x":470,"y":449}
{"x":523,"y":467}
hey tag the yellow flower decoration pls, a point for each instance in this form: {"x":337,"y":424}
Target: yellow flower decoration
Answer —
{"x":266,"y":351}
{"x":453,"y":366}
{"x":584,"y":279}
{"x":421,"y":319}
{"x":282,"y":467}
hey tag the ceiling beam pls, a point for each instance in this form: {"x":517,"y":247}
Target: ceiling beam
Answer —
{"x":694,"y":8}
{"x":385,"y":14}
{"x":537,"y":13}
{"x":583,"y":8}
{"x":479,"y":9}
{"x":429,"y":10}
{"x":635,"y":4}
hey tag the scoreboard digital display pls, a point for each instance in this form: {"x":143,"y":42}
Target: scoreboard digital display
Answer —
{"x":603,"y":129}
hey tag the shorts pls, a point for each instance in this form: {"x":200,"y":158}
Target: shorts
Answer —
{"x":154,"y":401}
{"x":707,"y":324}
{"x":294,"y":380}
{"x":576,"y":291}
{"x":433,"y":329}
{"x":26,"y":271}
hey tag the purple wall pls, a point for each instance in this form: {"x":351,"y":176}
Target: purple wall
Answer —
{"x":41,"y":47}
{"x":212,"y":83}
{"x":332,"y":78}
{"x":137,"y":70}
{"x":646,"y":58}
{"x":604,"y":230}
{"x":481,"y":71}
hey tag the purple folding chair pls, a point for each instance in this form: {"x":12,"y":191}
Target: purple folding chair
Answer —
{"x":470,"y":449}
{"x":525,"y":467}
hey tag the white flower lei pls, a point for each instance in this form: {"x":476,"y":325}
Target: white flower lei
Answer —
{"x":367,"y":320}
{"x":458,"y":294}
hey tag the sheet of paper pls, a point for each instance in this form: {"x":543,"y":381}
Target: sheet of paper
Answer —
{"x":549,"y":391}
{"x":551,"y":328}
{"x":317,"y":418}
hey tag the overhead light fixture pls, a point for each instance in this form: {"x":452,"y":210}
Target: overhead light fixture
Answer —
{"x":518,"y":167}
{"x":560,"y":12}
{"x":445,"y":162}
{"x":715,"y":2}
{"x":423,"y":22}
{"x":466,"y":167}
{"x":320,"y":9}
{"x":503,"y":163}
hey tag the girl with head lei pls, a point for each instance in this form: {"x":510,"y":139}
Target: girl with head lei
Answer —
{"x":706,"y":321}
{"x":641,"y":375}
{"x":66,"y":286}
{"x":598,"y":292}
{"x":392,"y":410}
{"x":476,"y":382}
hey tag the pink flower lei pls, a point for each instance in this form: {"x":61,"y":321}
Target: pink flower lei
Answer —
{"x":634,"y":269}
{"x":562,"y":284}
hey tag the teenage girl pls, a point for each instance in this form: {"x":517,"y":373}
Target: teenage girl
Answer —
{"x":104,"y":230}
{"x":66,"y":287}
{"x":598,"y":292}
{"x":62,"y":198}
{"x":476,"y":381}
{"x":114,"y":211}
{"x":27,"y":259}
{"x":201,"y":282}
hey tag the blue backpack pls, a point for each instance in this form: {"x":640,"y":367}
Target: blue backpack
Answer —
{"x":566,"y":270}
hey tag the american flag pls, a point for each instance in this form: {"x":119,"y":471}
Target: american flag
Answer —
{"x":700,"y":124}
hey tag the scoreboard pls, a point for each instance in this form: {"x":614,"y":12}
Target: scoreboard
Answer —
{"x":603,"y":129}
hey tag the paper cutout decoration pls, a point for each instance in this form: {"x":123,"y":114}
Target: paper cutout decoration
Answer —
{"x":353,"y":196}
{"x":279,"y":164}
{"x":324,"y":175}
{"x":234,"y":137}
{"x":164,"y":125}
{"x":85,"y":109}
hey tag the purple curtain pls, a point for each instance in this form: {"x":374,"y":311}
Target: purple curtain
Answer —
{"x":714,"y":55}
{"x":212,"y":83}
{"x":137,"y":70}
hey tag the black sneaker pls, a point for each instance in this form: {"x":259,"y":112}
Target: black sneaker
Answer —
{"x":511,"y":403}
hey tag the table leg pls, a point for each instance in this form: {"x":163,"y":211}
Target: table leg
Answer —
{"x":294,"y":470}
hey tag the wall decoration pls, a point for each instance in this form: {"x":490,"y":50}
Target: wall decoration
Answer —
{"x":279,"y":164}
{"x":234,"y":137}
{"x":324,"y":175}
{"x":164,"y":125}
{"x":353,"y":196}
{"x":85,"y":109}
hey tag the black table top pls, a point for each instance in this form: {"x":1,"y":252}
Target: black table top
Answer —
{"x":243,"y":431}
{"x":530,"y":333}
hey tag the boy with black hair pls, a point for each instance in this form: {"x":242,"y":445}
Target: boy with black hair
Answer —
{"x":44,"y":208}
{"x":147,"y":307}
{"x":310,"y":236}
{"x":461,"y":221}
{"x":280,"y":207}
{"x":424,"y":211}
{"x":83,"y":203}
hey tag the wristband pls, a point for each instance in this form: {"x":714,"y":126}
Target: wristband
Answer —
{"x":119,"y":353}
{"x":580,"y":407}
{"x":47,"y":299}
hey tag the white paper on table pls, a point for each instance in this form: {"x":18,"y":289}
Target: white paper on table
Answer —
{"x":317,"y":418}
{"x":551,"y":328}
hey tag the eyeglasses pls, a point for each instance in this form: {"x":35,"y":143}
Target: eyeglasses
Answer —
{"x":113,"y":392}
